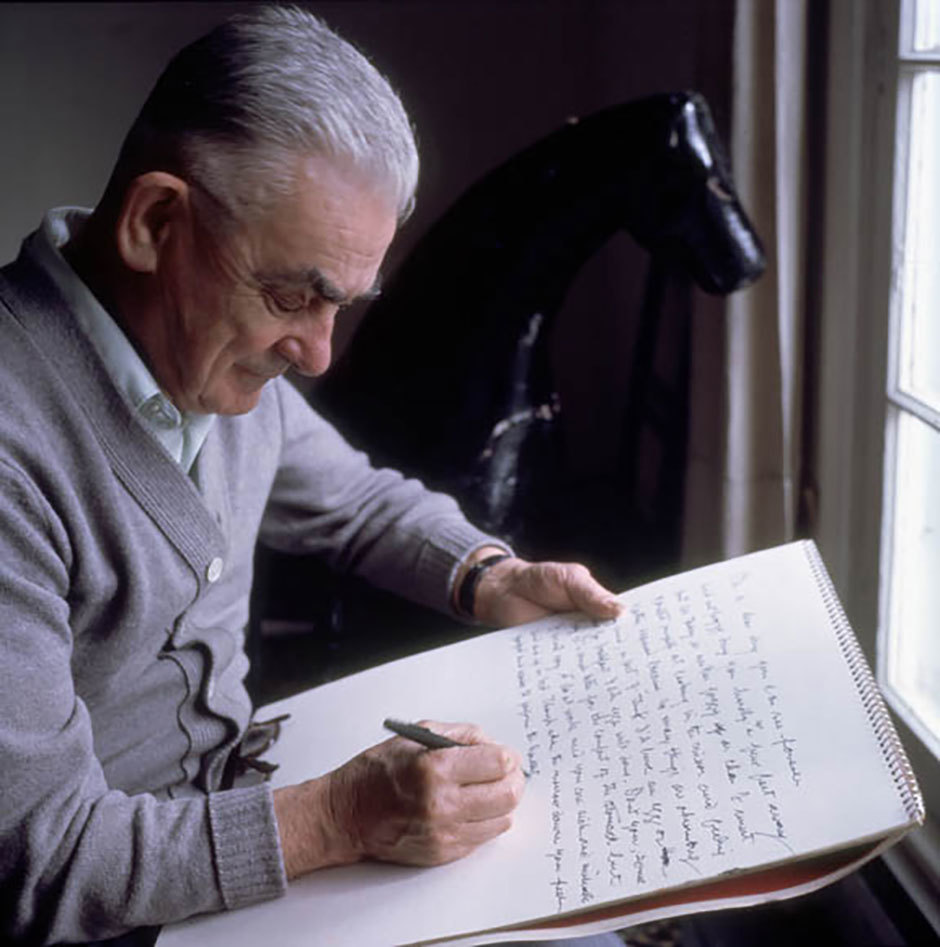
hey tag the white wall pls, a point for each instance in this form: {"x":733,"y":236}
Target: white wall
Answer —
{"x":72,"y":77}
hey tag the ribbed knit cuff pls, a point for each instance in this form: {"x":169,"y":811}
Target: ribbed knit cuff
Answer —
{"x":440,"y":560}
{"x":247,"y":846}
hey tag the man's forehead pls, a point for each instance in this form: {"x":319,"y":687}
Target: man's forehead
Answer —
{"x":328,"y":236}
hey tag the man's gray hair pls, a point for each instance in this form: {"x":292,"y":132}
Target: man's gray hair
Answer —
{"x":233,"y":110}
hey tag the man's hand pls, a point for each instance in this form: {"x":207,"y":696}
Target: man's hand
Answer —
{"x":402,"y":803}
{"x":515,"y":591}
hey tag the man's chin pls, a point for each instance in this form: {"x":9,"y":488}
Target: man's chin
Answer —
{"x":239,"y":393}
{"x":241,"y":403}
{"x":231,"y":401}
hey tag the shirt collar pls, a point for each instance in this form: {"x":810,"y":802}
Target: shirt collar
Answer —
{"x":181,"y":433}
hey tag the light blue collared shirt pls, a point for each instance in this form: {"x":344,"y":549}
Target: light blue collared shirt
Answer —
{"x":182,"y":433}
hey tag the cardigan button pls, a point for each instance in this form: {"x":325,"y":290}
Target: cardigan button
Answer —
{"x":214,"y":569}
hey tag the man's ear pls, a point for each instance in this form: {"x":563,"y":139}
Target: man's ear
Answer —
{"x":153,"y":203}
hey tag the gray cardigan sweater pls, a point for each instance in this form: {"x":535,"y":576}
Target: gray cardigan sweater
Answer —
{"x":124,"y":591}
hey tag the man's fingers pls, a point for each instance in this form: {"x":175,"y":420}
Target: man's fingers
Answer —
{"x":483,"y":763}
{"x":478,"y":760}
{"x":482,"y":802}
{"x":566,"y":586}
{"x":398,"y":801}
{"x":466,"y":733}
{"x":461,"y":797}
{"x":588,"y":595}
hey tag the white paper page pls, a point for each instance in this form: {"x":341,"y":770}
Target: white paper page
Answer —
{"x":697,"y":734}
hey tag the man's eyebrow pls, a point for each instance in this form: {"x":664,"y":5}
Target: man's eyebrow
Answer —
{"x":323,"y":286}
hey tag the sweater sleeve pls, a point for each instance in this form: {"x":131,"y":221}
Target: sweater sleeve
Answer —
{"x":79,"y":860}
{"x":329,"y":500}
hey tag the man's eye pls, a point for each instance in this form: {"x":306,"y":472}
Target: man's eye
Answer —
{"x":282,"y":303}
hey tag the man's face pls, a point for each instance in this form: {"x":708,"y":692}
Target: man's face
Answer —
{"x":239,"y":311}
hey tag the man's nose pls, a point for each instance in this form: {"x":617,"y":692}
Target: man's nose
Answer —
{"x":309,"y":344}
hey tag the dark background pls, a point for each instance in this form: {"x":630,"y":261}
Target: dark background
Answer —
{"x":481,"y":79}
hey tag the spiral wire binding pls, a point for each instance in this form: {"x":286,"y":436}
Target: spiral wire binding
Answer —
{"x":873,"y":702}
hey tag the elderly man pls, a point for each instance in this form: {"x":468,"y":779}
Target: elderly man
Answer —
{"x":147,"y":439}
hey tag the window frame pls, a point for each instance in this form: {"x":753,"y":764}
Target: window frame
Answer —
{"x":856,"y":280}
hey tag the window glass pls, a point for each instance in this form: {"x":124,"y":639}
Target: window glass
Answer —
{"x":927,"y":26}
{"x":920,"y":284}
{"x":913,"y":652}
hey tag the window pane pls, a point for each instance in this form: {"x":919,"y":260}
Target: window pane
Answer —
{"x":913,"y":645}
{"x":926,"y":25}
{"x":920,"y":248}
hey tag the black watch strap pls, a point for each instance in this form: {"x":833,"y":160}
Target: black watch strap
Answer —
{"x":467,"y":593}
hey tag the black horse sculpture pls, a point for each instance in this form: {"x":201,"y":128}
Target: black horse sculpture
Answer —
{"x":448,"y":376}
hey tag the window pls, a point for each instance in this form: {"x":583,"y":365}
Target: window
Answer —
{"x":878,"y":445}
{"x":909,"y":630}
